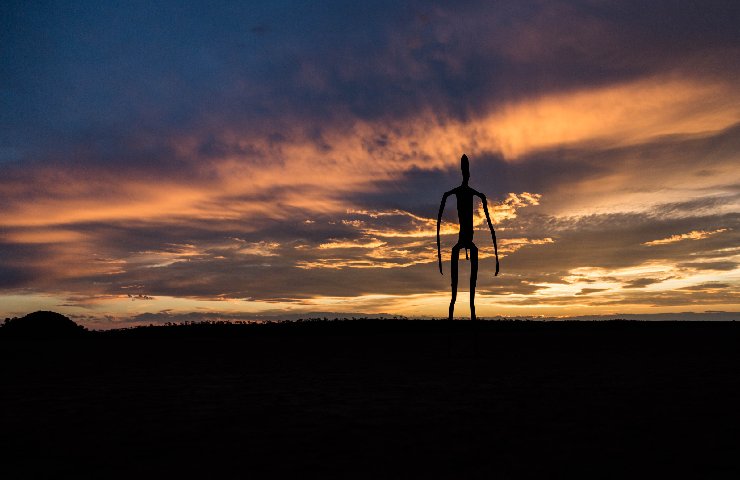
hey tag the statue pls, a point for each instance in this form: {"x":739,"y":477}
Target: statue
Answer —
{"x":464,"y":195}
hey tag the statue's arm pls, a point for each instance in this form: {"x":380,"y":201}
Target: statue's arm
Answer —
{"x":439,"y":221}
{"x":490,"y":227}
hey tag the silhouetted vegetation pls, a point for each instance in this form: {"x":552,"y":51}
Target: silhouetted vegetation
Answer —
{"x":54,"y":325}
{"x":41,"y":325}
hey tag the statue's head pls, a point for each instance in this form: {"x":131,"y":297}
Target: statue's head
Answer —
{"x":465,"y":167}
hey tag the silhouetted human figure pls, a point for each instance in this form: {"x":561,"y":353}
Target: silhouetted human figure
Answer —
{"x":464,"y":196}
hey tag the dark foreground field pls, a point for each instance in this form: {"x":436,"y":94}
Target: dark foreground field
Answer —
{"x":376,"y":399}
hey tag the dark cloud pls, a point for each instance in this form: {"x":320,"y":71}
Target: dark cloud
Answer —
{"x":641,"y":282}
{"x":210,"y":260}
{"x":678,"y":298}
{"x":183,"y":66}
{"x":708,"y":286}
{"x":557,"y":173}
{"x":614,"y":240}
{"x":15,"y":277}
{"x":586,"y":291}
{"x":721,"y":266}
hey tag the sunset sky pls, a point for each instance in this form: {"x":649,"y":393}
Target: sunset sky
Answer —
{"x":181,"y":161}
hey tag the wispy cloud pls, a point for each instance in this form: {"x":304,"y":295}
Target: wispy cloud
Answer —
{"x":692,"y":235}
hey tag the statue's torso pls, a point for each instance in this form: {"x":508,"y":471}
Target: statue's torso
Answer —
{"x":464,"y":195}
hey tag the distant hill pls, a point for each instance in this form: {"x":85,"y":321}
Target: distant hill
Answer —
{"x":41,"y":324}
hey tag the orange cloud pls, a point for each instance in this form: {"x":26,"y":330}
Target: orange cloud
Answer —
{"x":370,"y":243}
{"x":692,"y":235}
{"x":310,"y":177}
{"x":42,"y":235}
{"x":614,"y":115}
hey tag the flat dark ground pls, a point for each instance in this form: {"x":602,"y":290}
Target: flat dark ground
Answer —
{"x":376,"y":399}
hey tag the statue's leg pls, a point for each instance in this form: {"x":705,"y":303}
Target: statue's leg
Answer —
{"x":453,"y":267}
{"x":473,"y":277}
